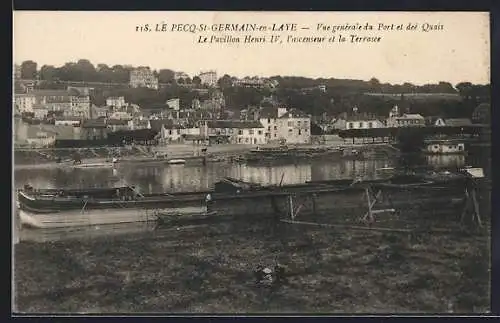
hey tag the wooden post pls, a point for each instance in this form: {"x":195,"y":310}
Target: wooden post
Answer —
{"x":466,"y":206}
{"x":476,"y":214}
{"x":84,"y":205}
{"x":370,"y":214}
{"x":290,"y":201}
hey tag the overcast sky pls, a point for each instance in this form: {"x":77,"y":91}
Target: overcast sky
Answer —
{"x":459,"y":52}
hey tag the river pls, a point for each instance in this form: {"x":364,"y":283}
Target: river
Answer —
{"x":174,"y":178}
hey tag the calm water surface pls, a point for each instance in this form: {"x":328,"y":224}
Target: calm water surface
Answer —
{"x":174,"y":178}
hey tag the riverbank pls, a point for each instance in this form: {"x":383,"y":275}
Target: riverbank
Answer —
{"x":209,"y":270}
{"x":43,"y":159}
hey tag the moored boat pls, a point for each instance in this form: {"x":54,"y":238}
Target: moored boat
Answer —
{"x":95,"y":165}
{"x":176,"y":161}
{"x":77,"y":218}
{"x":232,"y":197}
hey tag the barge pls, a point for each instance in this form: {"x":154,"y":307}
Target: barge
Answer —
{"x":234,"y":198}
{"x":281,"y":154}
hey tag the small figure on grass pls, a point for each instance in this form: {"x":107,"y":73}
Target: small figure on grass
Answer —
{"x":280,"y":274}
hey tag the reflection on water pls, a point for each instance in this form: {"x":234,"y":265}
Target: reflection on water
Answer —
{"x":451,"y":161}
{"x":174,"y":178}
{"x":154,"y":178}
{"x":170,"y":178}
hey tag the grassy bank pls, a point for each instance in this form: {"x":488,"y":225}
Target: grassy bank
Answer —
{"x":209,"y":270}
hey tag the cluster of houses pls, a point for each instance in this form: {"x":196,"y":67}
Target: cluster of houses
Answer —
{"x":397,"y":119}
{"x":69,"y":115}
{"x":269,"y":125}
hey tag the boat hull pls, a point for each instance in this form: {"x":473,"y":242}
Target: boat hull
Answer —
{"x":75,"y":218}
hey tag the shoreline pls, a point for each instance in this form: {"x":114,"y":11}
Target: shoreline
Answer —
{"x":216,"y":153}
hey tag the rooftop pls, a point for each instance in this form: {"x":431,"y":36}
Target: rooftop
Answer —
{"x":269,"y":112}
{"x":457,"y":122}
{"x":94,"y":123}
{"x":235,"y":124}
{"x":294,"y":113}
{"x":116,"y":122}
{"x":410,"y":116}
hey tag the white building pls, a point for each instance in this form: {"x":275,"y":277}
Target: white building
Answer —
{"x":180,"y":75}
{"x":234,"y":131}
{"x":294,"y":127}
{"x":445,"y":148}
{"x":170,"y":131}
{"x":116,"y":102}
{"x":208,"y":78}
{"x":67,"y":122}
{"x":173,"y":104}
{"x":249,"y":132}
{"x":24,"y":102}
{"x":40,"y":137}
{"x":268,"y":117}
{"x":364,"y":124}
{"x":120,"y":115}
{"x":40,"y":111}
{"x":80,"y":106}
{"x":143,"y":77}
{"x":406,"y":120}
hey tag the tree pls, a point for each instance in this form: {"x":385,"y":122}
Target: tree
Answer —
{"x":48,"y":73}
{"x":166,"y":76}
{"x":180,"y":81}
{"x":28,"y":70}
{"x":225,"y":82}
{"x":196,"y":80}
{"x":86,"y":70}
{"x":374,"y":84}
{"x":121,"y":74}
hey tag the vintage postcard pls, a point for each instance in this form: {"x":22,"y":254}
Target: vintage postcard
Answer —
{"x":251,"y":162}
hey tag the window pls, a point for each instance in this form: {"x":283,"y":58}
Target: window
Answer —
{"x":460,"y":148}
{"x":275,"y":127}
{"x":349,"y":125}
{"x":298,"y":123}
{"x":246,"y":140}
{"x":275,"y":135}
{"x":360,"y":124}
{"x":306,"y":123}
{"x":370,"y":124}
{"x":300,"y":132}
{"x":170,"y":132}
{"x":268,"y":120}
{"x":269,"y":128}
{"x":260,"y":132}
{"x":251,"y":131}
{"x":290,"y":123}
{"x":290,"y":130}
{"x":240,"y":132}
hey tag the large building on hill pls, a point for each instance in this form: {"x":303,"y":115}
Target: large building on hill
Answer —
{"x":143,"y":77}
{"x":71,"y":103}
{"x":208,"y":78}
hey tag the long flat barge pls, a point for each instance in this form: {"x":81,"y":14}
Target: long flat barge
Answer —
{"x":46,"y":208}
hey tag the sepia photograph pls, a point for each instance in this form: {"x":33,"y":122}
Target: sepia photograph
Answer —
{"x":252,"y":162}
